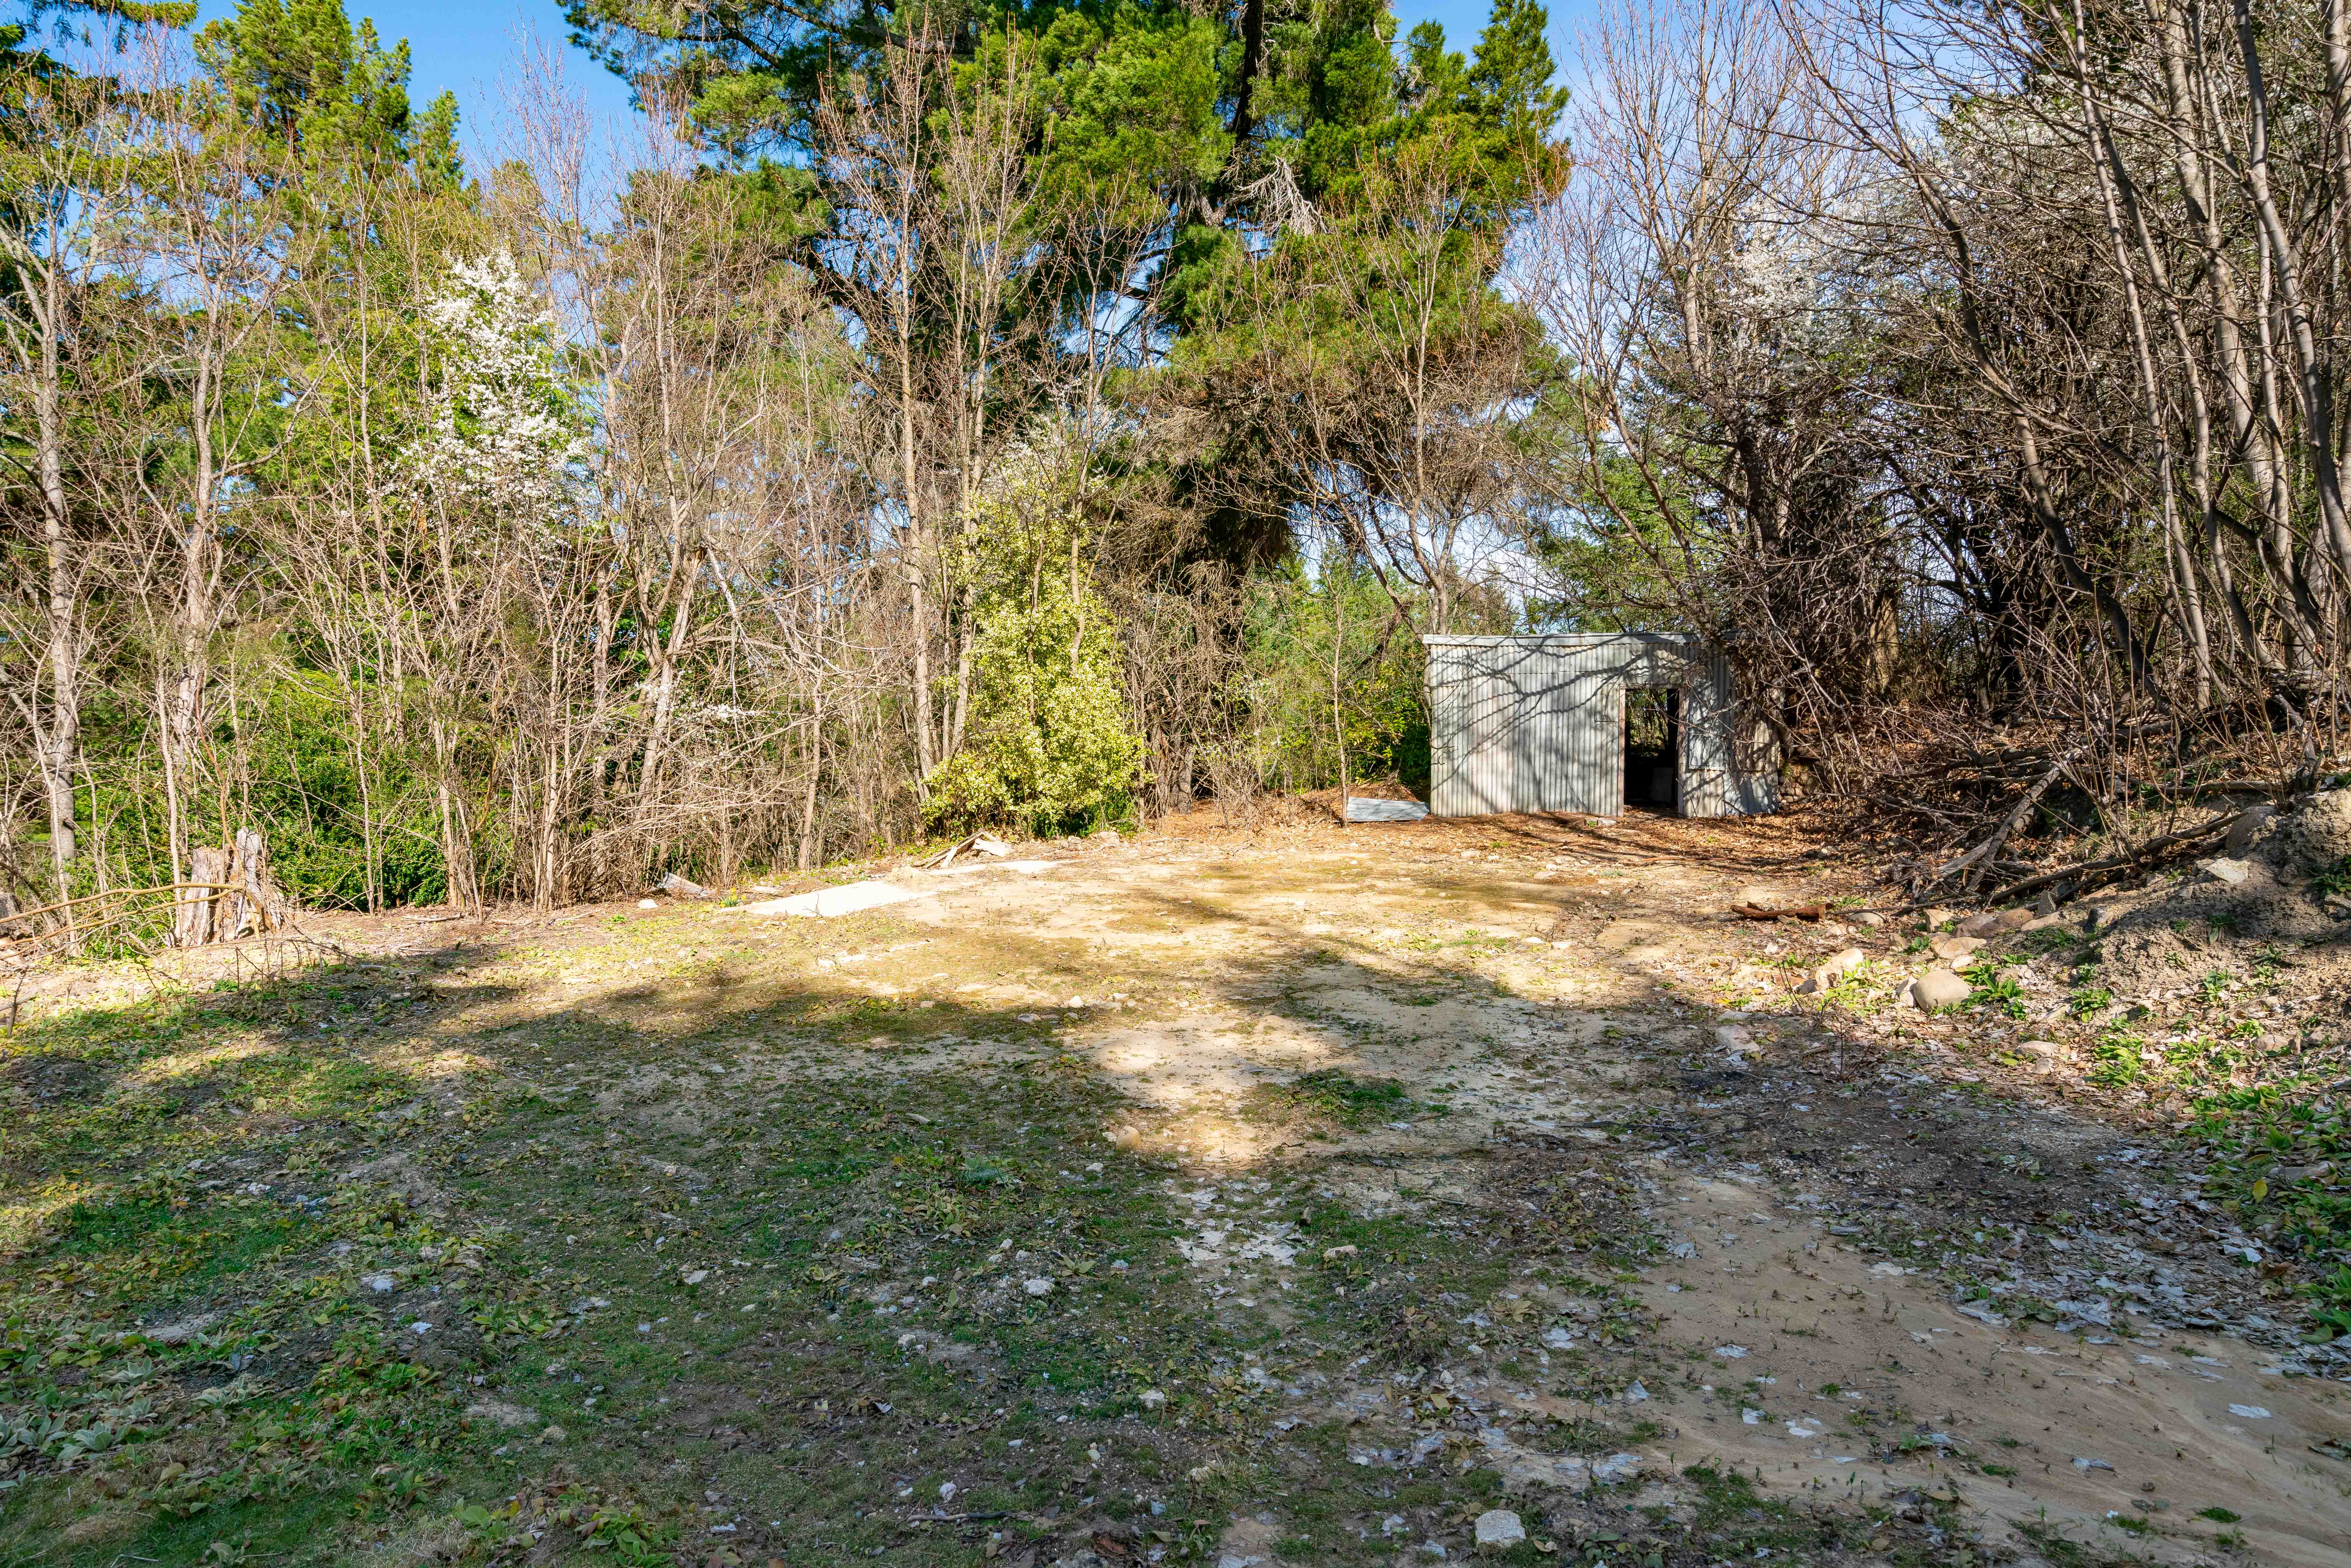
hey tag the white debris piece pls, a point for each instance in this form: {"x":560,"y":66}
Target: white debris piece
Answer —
{"x":1360,"y":810}
{"x":827,"y":903}
{"x":1500,"y":1527}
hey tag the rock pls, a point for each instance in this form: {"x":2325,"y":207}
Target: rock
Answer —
{"x":2043,"y":922}
{"x":1982,"y":924}
{"x":1734,"y":1040}
{"x":1151,"y":1399}
{"x":553,"y":1435}
{"x":1832,"y":969}
{"x":1870,"y":917}
{"x":182,"y":1329}
{"x":988,"y":846}
{"x":1500,"y":1527}
{"x":1108,"y":836}
{"x":2315,"y":837}
{"x":1938,"y":988}
{"x":2013,"y":919}
{"x":649,"y":903}
{"x":2099,"y":916}
{"x":2234,"y":872}
{"x":1949,"y":948}
{"x":1038,"y":1287}
{"x":2044,"y":1054}
{"x":1934,"y":917}
{"x":2046,"y":904}
{"x":671,"y":882}
{"x":2241,"y":831}
{"x":498,"y":1413}
{"x":1616,"y":1469}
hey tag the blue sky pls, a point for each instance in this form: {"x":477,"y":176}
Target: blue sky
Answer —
{"x":466,"y":45}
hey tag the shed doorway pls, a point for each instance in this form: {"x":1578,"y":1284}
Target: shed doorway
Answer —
{"x":1653,"y":749}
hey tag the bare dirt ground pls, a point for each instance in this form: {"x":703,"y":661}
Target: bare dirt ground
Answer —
{"x":1477,"y":1166}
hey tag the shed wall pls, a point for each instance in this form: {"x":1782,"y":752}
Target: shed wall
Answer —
{"x":1537,"y":724}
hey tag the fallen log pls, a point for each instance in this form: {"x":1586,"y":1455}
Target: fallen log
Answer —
{"x":1759,"y":911}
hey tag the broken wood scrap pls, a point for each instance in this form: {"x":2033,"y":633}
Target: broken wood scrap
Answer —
{"x":983,"y":843}
{"x":1760,"y":912}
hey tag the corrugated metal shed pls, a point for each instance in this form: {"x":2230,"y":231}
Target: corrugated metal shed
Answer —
{"x":1537,"y":724}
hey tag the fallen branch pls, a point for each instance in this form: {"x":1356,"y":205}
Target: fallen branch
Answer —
{"x":216,"y":887}
{"x":1991,"y":847}
{"x":1758,"y":912}
{"x":2140,"y":857}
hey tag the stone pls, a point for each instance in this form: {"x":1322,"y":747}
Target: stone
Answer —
{"x":2046,"y":904}
{"x":1038,"y":1287}
{"x":1151,"y":1399}
{"x":183,"y":1330}
{"x":2013,"y":919}
{"x":649,"y":903}
{"x":1982,"y":924}
{"x":1949,"y":948}
{"x":1938,"y":988}
{"x":677,"y":886}
{"x":1500,"y":1527}
{"x":1108,"y":836}
{"x":1870,"y":917}
{"x":553,"y":1435}
{"x":2234,"y":872}
{"x":1616,"y":1469}
{"x":499,"y":1413}
{"x":1832,"y":969}
{"x":2240,"y":832}
{"x":2043,"y":1054}
{"x":1934,"y":917}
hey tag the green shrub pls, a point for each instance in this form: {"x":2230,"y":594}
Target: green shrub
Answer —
{"x":1052,"y":746}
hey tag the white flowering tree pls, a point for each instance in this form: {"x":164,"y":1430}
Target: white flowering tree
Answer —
{"x":504,"y":438}
{"x":495,"y":475}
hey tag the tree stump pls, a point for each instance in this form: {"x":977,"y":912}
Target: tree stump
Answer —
{"x":199,"y":905}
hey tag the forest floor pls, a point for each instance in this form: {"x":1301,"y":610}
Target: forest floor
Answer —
{"x":1291,"y":1196}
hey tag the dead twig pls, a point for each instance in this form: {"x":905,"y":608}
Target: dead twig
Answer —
{"x":2141,"y":857}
